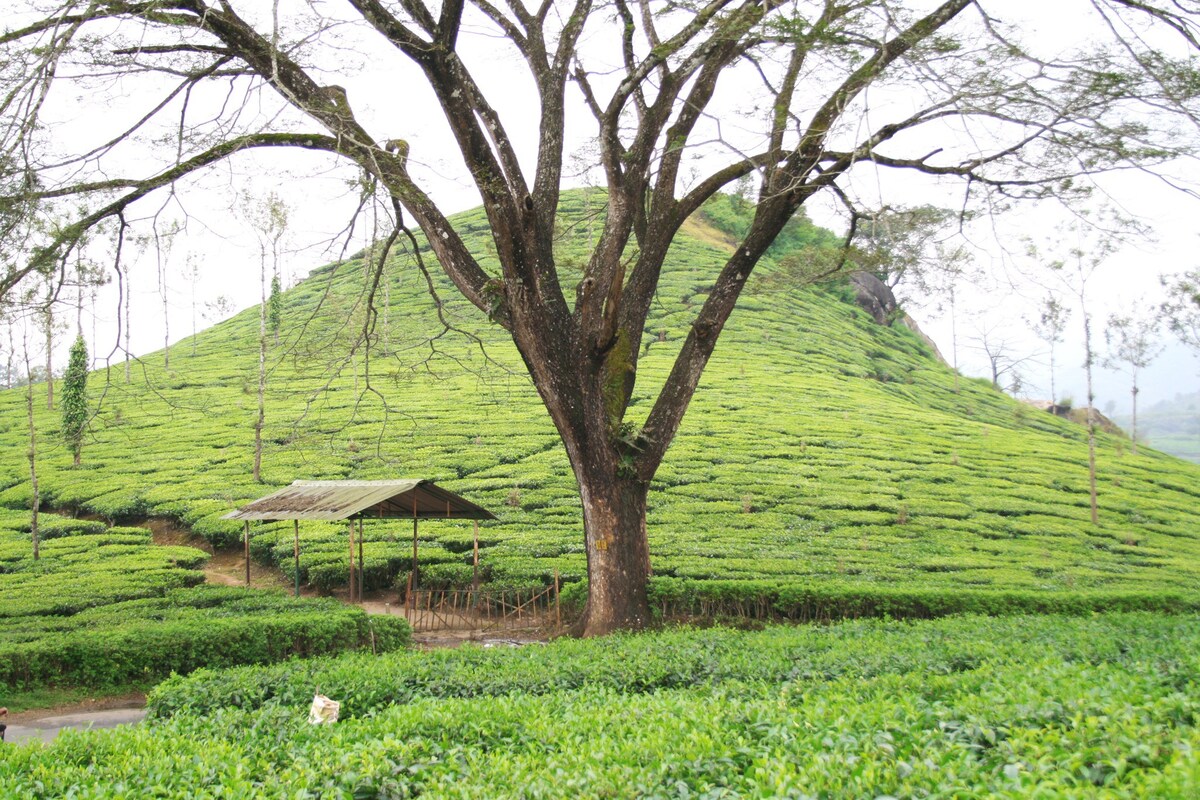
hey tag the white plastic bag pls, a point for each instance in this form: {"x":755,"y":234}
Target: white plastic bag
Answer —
{"x":323,"y":710}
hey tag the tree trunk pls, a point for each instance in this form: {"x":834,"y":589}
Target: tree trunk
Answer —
{"x":35,"y":504}
{"x":614,"y":524}
{"x":49,"y":357}
{"x":1134,"y":394}
{"x":1089,"y":360}
{"x":256,"y":473}
{"x":1053,"y":393}
{"x":128,"y":302}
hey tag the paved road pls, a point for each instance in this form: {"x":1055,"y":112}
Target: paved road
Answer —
{"x":46,"y":728}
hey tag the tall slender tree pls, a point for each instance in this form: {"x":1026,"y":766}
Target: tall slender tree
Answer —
{"x":269,"y":218}
{"x":1050,"y":325}
{"x":1133,"y":343}
{"x":1074,"y":274}
{"x":35,"y":502}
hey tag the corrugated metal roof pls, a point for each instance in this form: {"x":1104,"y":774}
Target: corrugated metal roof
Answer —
{"x":334,"y":500}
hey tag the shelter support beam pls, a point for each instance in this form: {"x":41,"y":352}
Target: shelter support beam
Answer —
{"x":361,"y":572}
{"x":351,"y":561}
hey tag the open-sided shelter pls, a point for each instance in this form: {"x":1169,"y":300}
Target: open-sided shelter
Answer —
{"x":413,"y":498}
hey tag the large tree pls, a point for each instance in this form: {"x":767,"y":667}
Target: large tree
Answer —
{"x":679,"y":99}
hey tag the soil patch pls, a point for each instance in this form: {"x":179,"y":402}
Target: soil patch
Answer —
{"x":224,"y":567}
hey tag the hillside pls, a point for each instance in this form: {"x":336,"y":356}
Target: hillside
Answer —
{"x":821,"y":448}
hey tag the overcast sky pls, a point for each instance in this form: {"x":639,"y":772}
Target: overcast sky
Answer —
{"x":223,"y":247}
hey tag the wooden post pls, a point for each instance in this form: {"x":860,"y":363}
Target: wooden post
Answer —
{"x":414,"y":566}
{"x":296,"y":547}
{"x":475,"y":581}
{"x":361,"y":572}
{"x":246,"y":542}
{"x":351,"y":561}
{"x":557,"y":610}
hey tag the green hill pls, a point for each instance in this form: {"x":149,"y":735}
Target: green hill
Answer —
{"x":821,"y":449}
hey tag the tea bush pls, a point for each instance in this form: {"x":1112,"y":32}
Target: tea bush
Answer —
{"x":683,"y":658}
{"x":968,"y":707}
{"x":105,"y":607}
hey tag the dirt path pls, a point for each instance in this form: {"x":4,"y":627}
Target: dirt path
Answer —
{"x":224,"y":568}
{"x":45,"y":728}
{"x":43,"y":724}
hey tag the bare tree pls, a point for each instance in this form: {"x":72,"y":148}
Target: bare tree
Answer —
{"x":1050,"y":326}
{"x":1003,"y":359}
{"x":193,"y":274}
{"x":1097,"y":236}
{"x":954,"y":94}
{"x":1133,"y":342}
{"x":31,"y":454}
{"x":50,"y":326}
{"x":269,"y":218}
{"x":163,"y":243}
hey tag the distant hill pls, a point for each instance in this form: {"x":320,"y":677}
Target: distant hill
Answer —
{"x":822,"y":448}
{"x":1172,"y":426}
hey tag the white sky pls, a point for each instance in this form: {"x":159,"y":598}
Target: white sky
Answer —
{"x":225,"y":249}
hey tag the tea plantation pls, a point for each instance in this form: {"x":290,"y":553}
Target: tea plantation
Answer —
{"x":104,"y":607}
{"x":966,"y":707}
{"x":829,"y":468}
{"x":823,"y":451}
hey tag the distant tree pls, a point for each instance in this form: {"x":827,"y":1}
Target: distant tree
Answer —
{"x":1133,"y":342}
{"x":1004,"y":360}
{"x":907,"y":247}
{"x":161,"y":240}
{"x":1050,"y":326}
{"x":1181,"y":311}
{"x":194,"y":278}
{"x":122,"y":269}
{"x":50,"y":325}
{"x":36,"y":498}
{"x":269,"y":218}
{"x":74,"y":399}
{"x":1097,"y":236}
{"x":218,"y":308}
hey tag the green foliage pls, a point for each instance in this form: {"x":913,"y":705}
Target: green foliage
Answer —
{"x":105,"y":607}
{"x":205,"y":626}
{"x":74,"y":398}
{"x":679,"y":658}
{"x":731,"y":214}
{"x":275,"y":307}
{"x":965,"y":707}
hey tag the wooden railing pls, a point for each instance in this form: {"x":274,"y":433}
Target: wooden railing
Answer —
{"x":483,"y":610}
